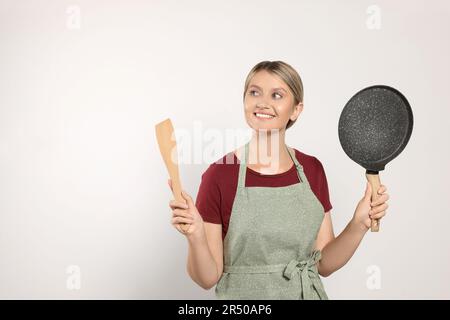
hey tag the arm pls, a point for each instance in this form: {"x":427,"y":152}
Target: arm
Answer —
{"x":205,"y":252}
{"x":337,"y":251}
{"x":205,"y":255}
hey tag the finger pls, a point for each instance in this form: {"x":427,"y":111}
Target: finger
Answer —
{"x":188,"y":199}
{"x":178,"y":220}
{"x":174,"y":204}
{"x":382,"y":189}
{"x":379,"y":208}
{"x":181,"y":213}
{"x":379,"y":215}
{"x":381,"y":199}
{"x":177,"y":205}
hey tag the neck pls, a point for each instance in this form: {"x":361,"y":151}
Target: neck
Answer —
{"x":268,"y":148}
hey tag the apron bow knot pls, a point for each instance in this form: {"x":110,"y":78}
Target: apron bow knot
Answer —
{"x":308,"y":275}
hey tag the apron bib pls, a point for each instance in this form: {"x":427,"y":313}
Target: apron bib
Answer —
{"x":268,"y":246}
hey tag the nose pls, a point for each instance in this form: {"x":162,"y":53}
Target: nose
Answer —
{"x":262,"y":106}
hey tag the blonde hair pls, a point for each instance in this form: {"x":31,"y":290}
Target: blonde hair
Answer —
{"x":286,"y":73}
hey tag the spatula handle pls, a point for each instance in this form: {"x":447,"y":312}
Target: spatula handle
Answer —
{"x":176,"y":186}
{"x":374,"y":180}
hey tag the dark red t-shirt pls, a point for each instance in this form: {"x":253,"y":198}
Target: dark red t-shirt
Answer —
{"x":218,"y":186}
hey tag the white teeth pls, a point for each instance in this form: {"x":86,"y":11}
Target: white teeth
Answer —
{"x":261,"y":115}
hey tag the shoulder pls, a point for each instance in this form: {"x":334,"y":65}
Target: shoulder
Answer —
{"x":316,"y":176}
{"x":309,"y":162}
{"x":221,"y":168}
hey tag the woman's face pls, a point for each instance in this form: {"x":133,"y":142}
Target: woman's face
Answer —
{"x":268,"y":102}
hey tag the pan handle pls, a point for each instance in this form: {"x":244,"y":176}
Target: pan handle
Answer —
{"x":374,"y":179}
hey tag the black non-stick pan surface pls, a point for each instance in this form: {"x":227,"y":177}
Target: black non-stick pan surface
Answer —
{"x":374,"y":128}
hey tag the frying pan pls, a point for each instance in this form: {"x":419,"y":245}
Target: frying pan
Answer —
{"x":374,"y":128}
{"x":168,"y":148}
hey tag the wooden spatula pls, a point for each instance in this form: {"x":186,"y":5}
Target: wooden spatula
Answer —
{"x":168,"y":148}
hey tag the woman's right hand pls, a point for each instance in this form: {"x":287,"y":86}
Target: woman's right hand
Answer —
{"x":185,"y":216}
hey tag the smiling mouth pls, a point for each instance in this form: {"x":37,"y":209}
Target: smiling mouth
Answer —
{"x":263,"y":115}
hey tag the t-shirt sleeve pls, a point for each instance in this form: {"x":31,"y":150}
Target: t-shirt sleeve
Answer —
{"x":324,"y":194}
{"x":208,"y":200}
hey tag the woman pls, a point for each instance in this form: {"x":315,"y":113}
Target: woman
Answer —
{"x":262,"y":229}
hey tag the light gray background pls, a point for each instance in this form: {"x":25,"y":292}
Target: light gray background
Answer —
{"x":81,"y":179}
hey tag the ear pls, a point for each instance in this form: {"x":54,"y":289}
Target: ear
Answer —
{"x":297,"y":110}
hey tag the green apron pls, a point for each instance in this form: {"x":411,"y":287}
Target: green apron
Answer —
{"x":268,"y":248}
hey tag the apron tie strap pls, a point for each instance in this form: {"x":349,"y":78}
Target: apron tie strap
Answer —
{"x":308,"y":275}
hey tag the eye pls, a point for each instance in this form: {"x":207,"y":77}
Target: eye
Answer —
{"x":278,"y":94}
{"x":251,"y":92}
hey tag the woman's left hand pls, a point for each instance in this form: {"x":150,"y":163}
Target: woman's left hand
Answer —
{"x":367,"y":210}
